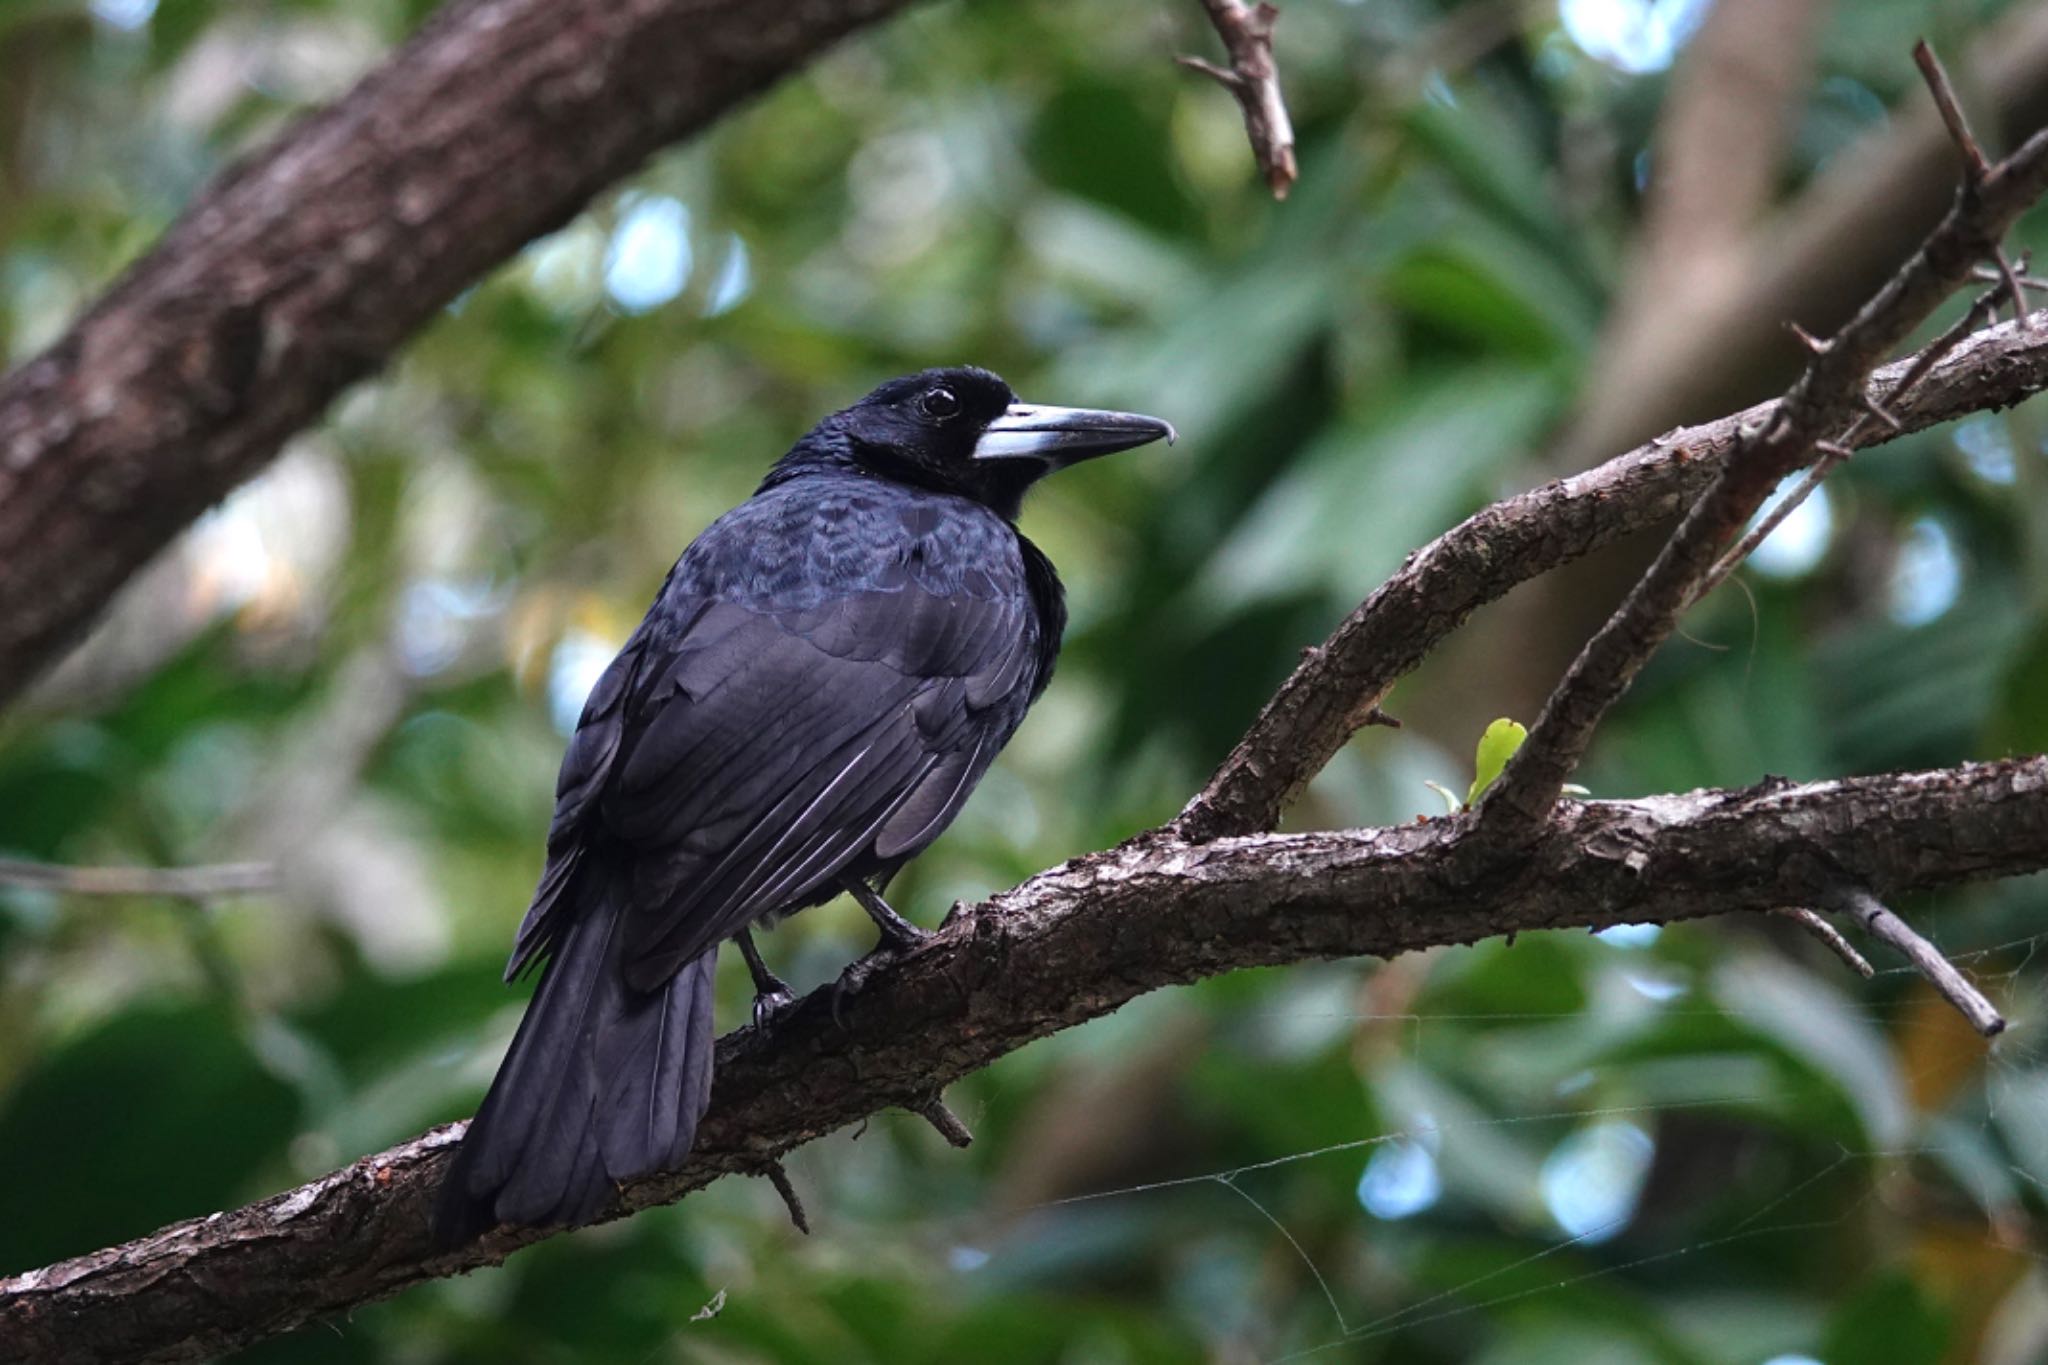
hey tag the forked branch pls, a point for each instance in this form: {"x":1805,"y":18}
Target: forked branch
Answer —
{"x":1253,"y":80}
{"x":1823,"y":404}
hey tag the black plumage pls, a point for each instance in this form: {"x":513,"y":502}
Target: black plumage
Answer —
{"x":822,"y":680}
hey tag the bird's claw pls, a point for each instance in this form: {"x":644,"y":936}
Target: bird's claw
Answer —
{"x":894,"y":946}
{"x":770,"y":1005}
{"x":854,"y":978}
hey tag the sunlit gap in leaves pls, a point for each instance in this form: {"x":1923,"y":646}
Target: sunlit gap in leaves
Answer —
{"x":649,"y":259}
{"x":1632,"y":938}
{"x":435,"y":619}
{"x":264,"y":551}
{"x":1927,"y":574}
{"x":578,"y":661}
{"x":1799,"y":544}
{"x":127,"y":15}
{"x":1637,"y":36}
{"x":1986,"y":447}
{"x":734,"y":281}
{"x":1402,"y":1178}
{"x":644,"y":263}
{"x":1592,"y":1179}
{"x":1630,"y":935}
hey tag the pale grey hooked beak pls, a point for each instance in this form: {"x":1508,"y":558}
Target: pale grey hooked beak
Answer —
{"x":1063,"y":436}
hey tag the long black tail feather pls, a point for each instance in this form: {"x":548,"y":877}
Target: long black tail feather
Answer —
{"x":602,"y":1083}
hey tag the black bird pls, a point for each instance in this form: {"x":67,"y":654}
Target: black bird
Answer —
{"x":824,"y":677}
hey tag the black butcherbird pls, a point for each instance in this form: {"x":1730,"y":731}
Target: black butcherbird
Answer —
{"x":826,"y":674}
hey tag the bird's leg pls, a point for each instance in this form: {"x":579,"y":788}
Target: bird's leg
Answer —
{"x":771,"y":993}
{"x":899,"y":935}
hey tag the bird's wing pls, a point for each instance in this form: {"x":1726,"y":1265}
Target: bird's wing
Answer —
{"x":749,"y":756}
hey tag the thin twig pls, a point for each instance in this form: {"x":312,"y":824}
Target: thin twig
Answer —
{"x":184,"y":883}
{"x":1327,"y":697}
{"x":1881,"y":923}
{"x":1834,"y":452}
{"x":1253,"y":79}
{"x":1975,"y":166}
{"x":2014,"y":290}
{"x":1818,"y":406}
{"x":1975,"y":169}
{"x":947,"y":1122}
{"x":779,"y":1178}
{"x":1830,"y":937}
{"x":2011,"y":284}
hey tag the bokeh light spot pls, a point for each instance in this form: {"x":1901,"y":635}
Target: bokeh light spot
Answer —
{"x":1400,"y":1180}
{"x":1637,"y":36}
{"x":649,"y":259}
{"x":1927,"y":576}
{"x":1592,"y":1180}
{"x":1801,"y":541}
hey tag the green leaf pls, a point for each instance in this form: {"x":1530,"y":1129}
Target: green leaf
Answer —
{"x":1496,"y":747}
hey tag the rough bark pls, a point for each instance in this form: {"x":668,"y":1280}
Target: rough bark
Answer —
{"x":1829,"y":399}
{"x":1339,"y":683}
{"x":1069,"y":945}
{"x":302,"y":269}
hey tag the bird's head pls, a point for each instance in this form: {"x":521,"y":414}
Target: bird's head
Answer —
{"x":961,"y":430}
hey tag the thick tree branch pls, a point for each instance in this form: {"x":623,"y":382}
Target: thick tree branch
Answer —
{"x":300,"y":270}
{"x":1069,"y":945}
{"x":1337,"y":686}
{"x":1081,"y":940}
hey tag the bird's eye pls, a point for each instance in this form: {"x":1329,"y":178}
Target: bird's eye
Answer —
{"x":939,"y":403}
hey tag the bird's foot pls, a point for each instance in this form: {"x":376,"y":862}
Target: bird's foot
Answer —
{"x":898,"y":941}
{"x":772,"y":994}
{"x":900,"y":937}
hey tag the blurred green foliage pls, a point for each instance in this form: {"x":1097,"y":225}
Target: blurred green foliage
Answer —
{"x":1703,"y":1146}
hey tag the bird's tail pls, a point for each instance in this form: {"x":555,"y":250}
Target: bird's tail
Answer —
{"x":602,"y":1083}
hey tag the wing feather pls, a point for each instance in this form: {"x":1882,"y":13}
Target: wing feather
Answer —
{"x":748,"y":760}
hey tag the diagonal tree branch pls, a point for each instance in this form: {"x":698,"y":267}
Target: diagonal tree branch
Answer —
{"x":1168,"y":907}
{"x":1818,"y":256}
{"x":1827,"y":398}
{"x":302,"y":269}
{"x":1340,"y":682}
{"x":1009,"y":968}
{"x":1071,"y":944}
{"x":1253,"y":80}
